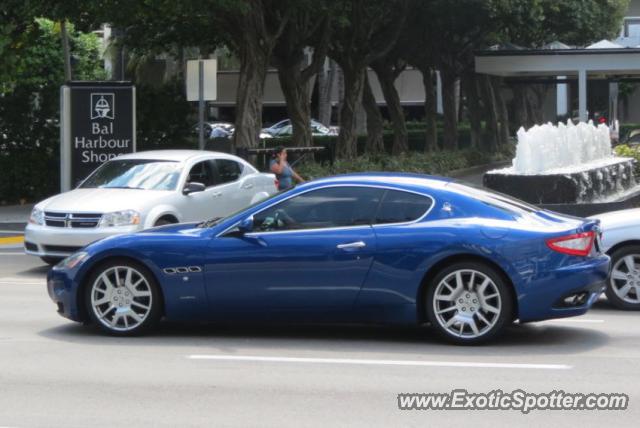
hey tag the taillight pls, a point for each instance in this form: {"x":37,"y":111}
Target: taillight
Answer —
{"x":277,"y":183}
{"x":578,"y":244}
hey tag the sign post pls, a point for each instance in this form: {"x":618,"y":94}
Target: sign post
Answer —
{"x":97,"y":123}
{"x":201,"y":87}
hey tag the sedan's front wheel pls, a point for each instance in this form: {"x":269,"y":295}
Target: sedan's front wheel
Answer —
{"x":469,"y":303}
{"x":623,"y":288}
{"x":122,"y":298}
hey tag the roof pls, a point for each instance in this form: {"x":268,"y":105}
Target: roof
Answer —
{"x":391,"y":178}
{"x":171,"y":155}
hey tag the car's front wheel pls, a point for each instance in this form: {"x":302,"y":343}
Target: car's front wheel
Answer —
{"x":122,"y":298}
{"x":623,"y":287}
{"x":469,"y":303}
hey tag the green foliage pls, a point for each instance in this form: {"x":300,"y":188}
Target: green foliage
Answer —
{"x":29,"y":111}
{"x":436,"y":163}
{"x":629,"y":152}
{"x":163,"y":117}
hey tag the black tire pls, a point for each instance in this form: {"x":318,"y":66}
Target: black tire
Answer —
{"x":466,"y":299}
{"x":163,"y":221}
{"x":124,"y":314}
{"x":616,"y":300}
{"x":51,"y":261}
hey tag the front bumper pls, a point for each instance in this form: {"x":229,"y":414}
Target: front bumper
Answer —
{"x":63,"y":241}
{"x":63,"y":291}
{"x":566,"y":292}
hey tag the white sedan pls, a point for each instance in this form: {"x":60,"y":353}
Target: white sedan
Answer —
{"x":621,"y":240}
{"x":142,"y":190}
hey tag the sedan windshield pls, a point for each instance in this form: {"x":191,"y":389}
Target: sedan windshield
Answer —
{"x":135,"y":174}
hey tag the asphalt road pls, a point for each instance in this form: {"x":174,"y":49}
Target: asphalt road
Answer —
{"x":57,"y":373}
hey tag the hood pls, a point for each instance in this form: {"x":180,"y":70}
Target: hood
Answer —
{"x":101,"y":200}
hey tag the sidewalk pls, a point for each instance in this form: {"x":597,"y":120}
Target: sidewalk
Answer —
{"x":15,"y":214}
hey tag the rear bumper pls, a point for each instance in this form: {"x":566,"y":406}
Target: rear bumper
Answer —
{"x":61,"y":241}
{"x":565,"y":292}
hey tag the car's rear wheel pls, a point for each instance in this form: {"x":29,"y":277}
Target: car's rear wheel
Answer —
{"x":623,"y":286}
{"x":51,"y":261}
{"x":469,"y":303}
{"x":122,"y":298}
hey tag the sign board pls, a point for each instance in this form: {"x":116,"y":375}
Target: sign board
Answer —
{"x":210,"y":73}
{"x":97,"y":124}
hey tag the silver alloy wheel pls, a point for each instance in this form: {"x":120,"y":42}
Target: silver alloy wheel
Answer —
{"x":121,"y":298}
{"x":467,"y":303}
{"x":625,"y":278}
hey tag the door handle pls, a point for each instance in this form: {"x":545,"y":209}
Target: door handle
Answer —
{"x":351,"y":245}
{"x":216,"y":194}
{"x":247,"y":186}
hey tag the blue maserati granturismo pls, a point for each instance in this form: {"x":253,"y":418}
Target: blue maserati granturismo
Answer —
{"x":359,"y":248}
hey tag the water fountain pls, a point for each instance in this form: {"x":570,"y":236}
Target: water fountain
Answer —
{"x":569,"y":168}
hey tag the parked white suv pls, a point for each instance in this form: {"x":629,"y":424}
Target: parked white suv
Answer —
{"x":141,"y":190}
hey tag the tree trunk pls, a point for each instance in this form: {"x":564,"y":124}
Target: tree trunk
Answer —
{"x":520,"y":104}
{"x":469,"y":84}
{"x":296,"y":94}
{"x":491,"y":114}
{"x":375,"y":141}
{"x":326,"y":83}
{"x":503,"y":114}
{"x":450,"y":126}
{"x":354,"y":78}
{"x":387,"y":78}
{"x":65,"y":51}
{"x":430,"y":110}
{"x":254,"y":60}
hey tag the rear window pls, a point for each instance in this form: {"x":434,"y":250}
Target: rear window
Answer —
{"x":401,"y":207}
{"x":494,"y":199}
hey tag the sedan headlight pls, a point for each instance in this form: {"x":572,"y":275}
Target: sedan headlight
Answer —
{"x":37,"y":217}
{"x":120,"y":218}
{"x":73,"y":260}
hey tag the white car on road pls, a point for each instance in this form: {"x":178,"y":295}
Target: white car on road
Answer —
{"x":621,"y":240}
{"x":142,"y":190}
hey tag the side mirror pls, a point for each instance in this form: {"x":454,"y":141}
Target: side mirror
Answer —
{"x":193,"y":187}
{"x":246,"y":225}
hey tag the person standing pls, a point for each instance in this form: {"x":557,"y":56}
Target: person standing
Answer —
{"x":283,"y":171}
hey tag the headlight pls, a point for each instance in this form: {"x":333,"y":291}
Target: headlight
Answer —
{"x":73,"y":260}
{"x":120,"y":218}
{"x":36,"y":217}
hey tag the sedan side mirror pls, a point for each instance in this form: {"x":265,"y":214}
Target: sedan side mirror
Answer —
{"x":193,"y":187}
{"x":246,"y":225}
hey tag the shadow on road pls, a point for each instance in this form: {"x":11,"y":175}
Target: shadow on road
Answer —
{"x":518,"y":340}
{"x":38,"y":270}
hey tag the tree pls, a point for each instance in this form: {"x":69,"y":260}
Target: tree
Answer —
{"x":363,"y":32}
{"x":387,"y":69}
{"x":308,"y":25}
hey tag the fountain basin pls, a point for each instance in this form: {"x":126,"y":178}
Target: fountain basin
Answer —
{"x":596,"y":181}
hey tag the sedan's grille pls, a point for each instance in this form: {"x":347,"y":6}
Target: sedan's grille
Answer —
{"x":60,"y":249}
{"x":75,"y":220}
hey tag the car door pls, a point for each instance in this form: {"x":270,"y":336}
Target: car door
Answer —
{"x":235,"y":193}
{"x":202,"y":205}
{"x":308,"y":254}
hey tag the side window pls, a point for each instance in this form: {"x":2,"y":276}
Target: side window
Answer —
{"x":228,"y":170}
{"x":201,"y":173}
{"x":324,"y":208}
{"x":401,"y":207}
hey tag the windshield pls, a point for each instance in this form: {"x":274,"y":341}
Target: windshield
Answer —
{"x":135,"y":174}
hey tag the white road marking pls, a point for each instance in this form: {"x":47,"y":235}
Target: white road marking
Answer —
{"x":23,"y":281}
{"x":577,"y":320}
{"x":17,"y":253}
{"x":414,"y":363}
